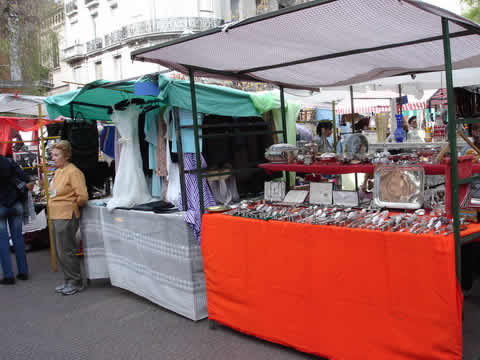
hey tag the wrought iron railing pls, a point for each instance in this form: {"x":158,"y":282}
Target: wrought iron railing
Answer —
{"x":71,"y":6}
{"x":165,"y":25}
{"x":95,"y":44}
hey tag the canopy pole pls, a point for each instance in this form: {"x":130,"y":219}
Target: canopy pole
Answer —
{"x":352,"y":107}
{"x":334,"y":121}
{"x":45,"y":189}
{"x":181,"y":165}
{"x":284,"y":129}
{"x":400,"y":97}
{"x":191,"y":74}
{"x":452,"y":138}
{"x":353,"y":127}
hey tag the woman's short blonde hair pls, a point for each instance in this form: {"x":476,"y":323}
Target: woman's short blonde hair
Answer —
{"x":65,"y":147}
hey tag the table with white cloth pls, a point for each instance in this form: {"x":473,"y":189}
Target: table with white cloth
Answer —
{"x":152,"y":255}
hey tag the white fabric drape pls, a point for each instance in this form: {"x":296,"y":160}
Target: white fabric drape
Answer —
{"x":130,"y":187}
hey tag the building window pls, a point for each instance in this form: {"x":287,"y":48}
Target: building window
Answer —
{"x":77,"y":76}
{"x":235,"y":6}
{"x":117,"y":67}
{"x":55,"y":52}
{"x":98,"y":70}
{"x":206,"y":6}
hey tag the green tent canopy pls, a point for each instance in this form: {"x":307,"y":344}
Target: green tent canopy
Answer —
{"x":92,"y":101}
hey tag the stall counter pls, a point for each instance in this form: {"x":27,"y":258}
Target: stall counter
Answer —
{"x":152,"y":255}
{"x":338,"y":293}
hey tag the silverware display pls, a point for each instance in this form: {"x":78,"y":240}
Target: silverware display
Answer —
{"x":419,"y":222}
{"x":399,"y":187}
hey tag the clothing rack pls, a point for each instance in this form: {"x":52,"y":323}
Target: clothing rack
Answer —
{"x":202,"y":173}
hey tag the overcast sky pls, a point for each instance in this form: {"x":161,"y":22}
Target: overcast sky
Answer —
{"x":452,"y":5}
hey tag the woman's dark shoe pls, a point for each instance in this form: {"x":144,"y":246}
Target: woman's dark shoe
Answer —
{"x":22,"y":277}
{"x":7,"y":281}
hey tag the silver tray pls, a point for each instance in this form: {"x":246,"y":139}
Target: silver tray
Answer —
{"x":399,"y":187}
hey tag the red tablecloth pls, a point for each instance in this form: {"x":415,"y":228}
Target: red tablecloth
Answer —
{"x":337,"y":168}
{"x":339,"y":293}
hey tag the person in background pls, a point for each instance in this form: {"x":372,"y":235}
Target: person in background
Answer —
{"x":361,"y":125}
{"x":12,"y":178}
{"x":412,"y":123}
{"x":68,"y":193}
{"x":324,"y":130}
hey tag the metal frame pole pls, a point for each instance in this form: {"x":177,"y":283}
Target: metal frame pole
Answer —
{"x":45,"y":189}
{"x":191,"y":74}
{"x":452,"y":138}
{"x":334,"y":122}
{"x":181,"y":165}
{"x":352,"y":107}
{"x":284,"y":129}
{"x":353,"y":127}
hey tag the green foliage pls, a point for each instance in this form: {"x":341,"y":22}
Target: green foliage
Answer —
{"x":31,"y":14}
{"x":473,"y":11}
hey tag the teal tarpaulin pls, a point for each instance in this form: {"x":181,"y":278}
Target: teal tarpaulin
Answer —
{"x":100,"y":93}
{"x":211,"y":99}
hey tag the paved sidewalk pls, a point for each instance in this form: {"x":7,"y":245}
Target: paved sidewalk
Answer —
{"x":109,"y":323}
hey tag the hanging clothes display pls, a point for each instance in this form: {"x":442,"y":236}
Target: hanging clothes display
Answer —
{"x":151,"y":137}
{"x":224,"y":188}
{"x":188,"y":142}
{"x":173,"y":178}
{"x":162,"y":147}
{"x":193,"y":216}
{"x":107,"y":140}
{"x":130,"y":187}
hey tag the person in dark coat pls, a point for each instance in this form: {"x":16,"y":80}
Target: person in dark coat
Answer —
{"x":13,"y":183}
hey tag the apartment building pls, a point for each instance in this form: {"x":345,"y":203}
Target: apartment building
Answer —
{"x":97,"y":36}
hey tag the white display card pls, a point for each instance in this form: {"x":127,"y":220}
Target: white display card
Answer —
{"x":274,"y":190}
{"x":296,"y":196}
{"x":321,"y":193}
{"x":345,"y":198}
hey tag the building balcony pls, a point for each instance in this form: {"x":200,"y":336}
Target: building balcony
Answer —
{"x":159,"y":26}
{"x":141,"y":30}
{"x":93,"y":45}
{"x":71,"y":8}
{"x":91,"y":3}
{"x":73,"y":53}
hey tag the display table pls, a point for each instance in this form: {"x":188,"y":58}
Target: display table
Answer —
{"x":335,"y":292}
{"x":153,"y":255}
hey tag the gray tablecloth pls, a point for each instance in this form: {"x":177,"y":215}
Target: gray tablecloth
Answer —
{"x":152,"y":255}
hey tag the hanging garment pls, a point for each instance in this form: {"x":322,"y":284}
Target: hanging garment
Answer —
{"x":224,"y":188}
{"x":188,"y":139}
{"x":143,"y":145}
{"x":107,"y":141}
{"x":193,"y":216}
{"x":162,"y":147}
{"x":151,"y":137}
{"x":130,"y":187}
{"x":173,"y":179}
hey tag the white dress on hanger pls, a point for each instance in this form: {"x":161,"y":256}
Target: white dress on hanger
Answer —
{"x":130,"y":187}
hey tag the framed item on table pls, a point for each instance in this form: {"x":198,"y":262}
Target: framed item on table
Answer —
{"x":346,"y":198}
{"x":321,"y":193}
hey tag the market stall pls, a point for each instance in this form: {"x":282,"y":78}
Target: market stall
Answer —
{"x":30,"y":155}
{"x":157,"y":255}
{"x":315,"y":269}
